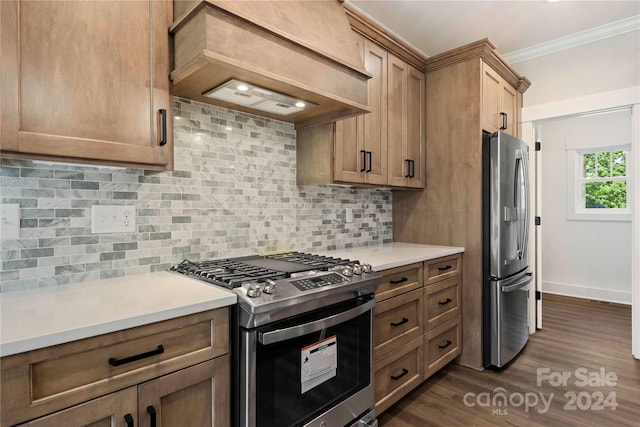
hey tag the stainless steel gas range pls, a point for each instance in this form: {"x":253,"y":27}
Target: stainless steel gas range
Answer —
{"x":301,"y":338}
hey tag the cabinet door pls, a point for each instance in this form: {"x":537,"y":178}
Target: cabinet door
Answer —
{"x":509,"y":102}
{"x":416,"y":116}
{"x":375,"y":123}
{"x":399,"y":167}
{"x":85,"y":81}
{"x":196,"y":396}
{"x":349,"y":160}
{"x":491,"y":94}
{"x":112,"y":410}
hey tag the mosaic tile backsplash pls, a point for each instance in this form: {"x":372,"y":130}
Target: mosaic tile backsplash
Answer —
{"x":232,"y":192}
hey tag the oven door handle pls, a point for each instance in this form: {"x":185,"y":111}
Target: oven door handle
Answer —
{"x":266,"y":338}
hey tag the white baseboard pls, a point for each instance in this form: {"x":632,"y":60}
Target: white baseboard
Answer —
{"x":598,"y":294}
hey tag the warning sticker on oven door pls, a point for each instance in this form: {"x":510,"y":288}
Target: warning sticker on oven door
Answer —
{"x":319,"y":362}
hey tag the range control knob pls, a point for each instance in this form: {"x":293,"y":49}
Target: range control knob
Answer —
{"x":253,"y":291}
{"x":366,"y":268}
{"x":357,"y":269}
{"x":269,"y":287}
{"x":347,"y":271}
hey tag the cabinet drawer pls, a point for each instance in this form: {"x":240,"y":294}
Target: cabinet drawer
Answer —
{"x":396,"y":281}
{"x":46,"y":380}
{"x":397,"y":321}
{"x":442,"y":268}
{"x":441,"y":302}
{"x":397,"y":373}
{"x":441,"y":346}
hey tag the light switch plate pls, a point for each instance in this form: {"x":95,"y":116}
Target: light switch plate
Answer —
{"x":113,"y":219}
{"x":10,"y":221}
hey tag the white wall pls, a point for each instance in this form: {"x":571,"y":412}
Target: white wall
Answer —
{"x":587,"y":259}
{"x":601,"y":66}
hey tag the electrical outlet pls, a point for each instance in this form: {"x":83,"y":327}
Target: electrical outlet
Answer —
{"x":113,"y":219}
{"x":10,"y":221}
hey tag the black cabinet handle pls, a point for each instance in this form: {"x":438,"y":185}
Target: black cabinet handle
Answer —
{"x":402,"y":322}
{"x":129,"y":420}
{"x":408,"y":175}
{"x":413,"y":168}
{"x":448,"y":267}
{"x":364,"y":160}
{"x":504,"y":121}
{"x":152,"y":415}
{"x":445,"y":302}
{"x":163,"y":126}
{"x":117,"y":362}
{"x":370,"y":161}
{"x":445,"y":346}
{"x":397,"y":377}
{"x":396,"y":282}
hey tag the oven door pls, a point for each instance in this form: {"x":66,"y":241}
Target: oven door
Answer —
{"x":310,"y":370}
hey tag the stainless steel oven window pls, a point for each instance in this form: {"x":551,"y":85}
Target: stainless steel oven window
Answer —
{"x":270,"y":377}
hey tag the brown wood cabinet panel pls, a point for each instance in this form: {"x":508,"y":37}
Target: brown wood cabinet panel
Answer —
{"x":397,"y":321}
{"x":396,"y":281}
{"x":398,"y":373}
{"x":509,"y":98}
{"x":196,"y":396}
{"x":42,"y":381}
{"x":491,"y":94}
{"x":85,"y":81}
{"x":406,"y":117}
{"x":442,"y":268}
{"x":105,"y":411}
{"x":441,"y":301}
{"x":375,"y":123}
{"x":441,"y":346}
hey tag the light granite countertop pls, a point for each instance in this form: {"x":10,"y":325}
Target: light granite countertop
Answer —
{"x":396,"y":254}
{"x":38,"y":318}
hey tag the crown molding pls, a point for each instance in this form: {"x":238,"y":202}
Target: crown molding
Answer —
{"x":583,"y":37}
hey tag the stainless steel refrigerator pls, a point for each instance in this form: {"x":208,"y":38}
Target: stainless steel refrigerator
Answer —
{"x":506,"y":273}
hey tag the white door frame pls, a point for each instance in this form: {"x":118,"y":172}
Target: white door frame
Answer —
{"x":596,"y":102}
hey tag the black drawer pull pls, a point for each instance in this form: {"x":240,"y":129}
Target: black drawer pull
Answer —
{"x":117,"y":362}
{"x":408,"y":175}
{"x":402,"y":322}
{"x":396,"y":282}
{"x":503,"y":126}
{"x":152,"y":415}
{"x":163,"y":126}
{"x":370,"y":161}
{"x":364,"y":160}
{"x":397,"y":377}
{"x":445,"y":302}
{"x":448,"y":267}
{"x":129,"y":420}
{"x":442,"y":347}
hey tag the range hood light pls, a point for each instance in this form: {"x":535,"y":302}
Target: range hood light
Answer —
{"x":237,"y":92}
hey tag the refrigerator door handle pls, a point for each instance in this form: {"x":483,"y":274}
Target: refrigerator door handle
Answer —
{"x":521,"y":284}
{"x":527,"y":203}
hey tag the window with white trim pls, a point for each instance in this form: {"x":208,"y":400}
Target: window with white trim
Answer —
{"x":601,"y":183}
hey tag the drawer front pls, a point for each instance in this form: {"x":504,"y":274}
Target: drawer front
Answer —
{"x":398,"y":373}
{"x":441,"y":302}
{"x":397,"y":321}
{"x":396,"y":281}
{"x":442,"y":345}
{"x":442,"y":268}
{"x":46,"y":380}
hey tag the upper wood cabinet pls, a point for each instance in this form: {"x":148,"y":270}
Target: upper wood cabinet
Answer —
{"x":361,"y":142}
{"x":86,"y":82}
{"x":405,"y":124}
{"x":501,"y":103}
{"x":384,"y":147}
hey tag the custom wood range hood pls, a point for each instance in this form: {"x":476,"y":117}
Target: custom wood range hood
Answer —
{"x":271,"y":58}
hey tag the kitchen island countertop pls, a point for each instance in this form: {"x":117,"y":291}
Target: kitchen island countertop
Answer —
{"x":35,"y":318}
{"x":395,"y":254}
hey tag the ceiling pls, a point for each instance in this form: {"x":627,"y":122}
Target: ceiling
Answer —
{"x":437,"y":26}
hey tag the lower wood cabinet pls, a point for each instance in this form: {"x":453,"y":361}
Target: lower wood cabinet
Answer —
{"x":416,"y":325}
{"x":170,"y":373}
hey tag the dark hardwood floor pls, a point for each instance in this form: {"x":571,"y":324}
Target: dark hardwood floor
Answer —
{"x":580,"y":337}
